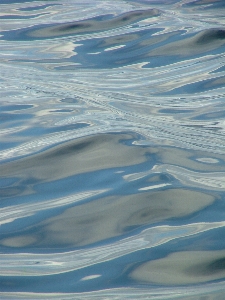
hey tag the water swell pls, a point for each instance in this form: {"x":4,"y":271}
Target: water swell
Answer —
{"x":100,"y":23}
{"x":112,"y":150}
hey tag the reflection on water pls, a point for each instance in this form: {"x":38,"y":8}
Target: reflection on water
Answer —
{"x":88,"y":26}
{"x":109,"y":217}
{"x":181,"y":268}
{"x":75,"y":157}
{"x":112,"y":171}
{"x":204,"y":41}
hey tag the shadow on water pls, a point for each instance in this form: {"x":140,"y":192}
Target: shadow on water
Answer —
{"x":75,"y":157}
{"x":109,"y":217}
{"x":145,"y":46}
{"x":126,"y":208}
{"x":183,"y":268}
{"x":202,"y":42}
{"x":94,"y":25}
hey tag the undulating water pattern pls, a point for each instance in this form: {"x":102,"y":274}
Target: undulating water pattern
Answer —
{"x":112,"y":149}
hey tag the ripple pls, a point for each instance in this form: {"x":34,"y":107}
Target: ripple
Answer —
{"x":109,"y":217}
{"x":83,"y":26}
{"x":214,"y":290}
{"x":112,"y":149}
{"x":23,"y":264}
{"x":12,"y":213}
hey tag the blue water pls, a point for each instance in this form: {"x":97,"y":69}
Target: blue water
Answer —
{"x":112,"y":149}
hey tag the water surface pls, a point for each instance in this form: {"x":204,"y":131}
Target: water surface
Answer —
{"x":112,"y":166}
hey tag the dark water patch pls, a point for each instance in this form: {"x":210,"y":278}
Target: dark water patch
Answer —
{"x":96,"y":24}
{"x":206,"y":41}
{"x":71,"y":27}
{"x":182,"y":268}
{"x":18,"y":189}
{"x":124,"y":50}
{"x":68,"y":167}
{"x":214,"y":267}
{"x":61,"y":162}
{"x":209,"y":36}
{"x":108,"y":217}
{"x":10,"y":192}
{"x":85,"y":155}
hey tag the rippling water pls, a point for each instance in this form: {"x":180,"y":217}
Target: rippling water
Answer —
{"x":112,"y":165}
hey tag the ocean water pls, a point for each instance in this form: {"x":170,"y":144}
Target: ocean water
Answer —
{"x":112,"y":149}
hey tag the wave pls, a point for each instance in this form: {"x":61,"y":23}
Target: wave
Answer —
{"x":112,"y":149}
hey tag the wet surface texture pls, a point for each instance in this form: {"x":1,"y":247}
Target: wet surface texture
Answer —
{"x":112,"y":143}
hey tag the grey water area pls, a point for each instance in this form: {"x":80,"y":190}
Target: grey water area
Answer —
{"x":112,"y":149}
